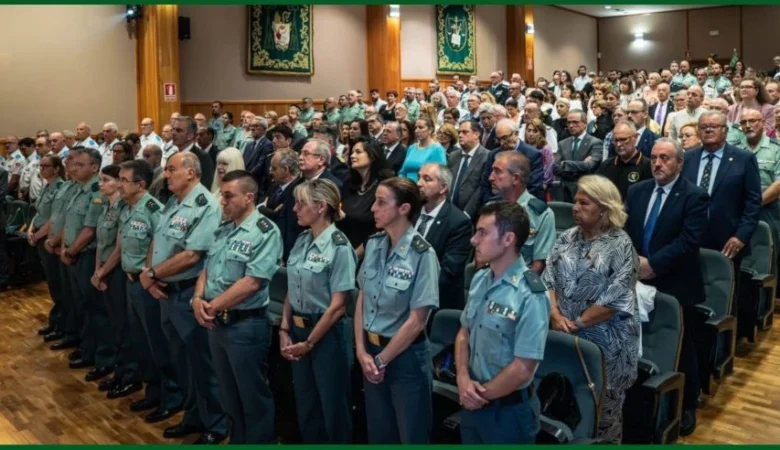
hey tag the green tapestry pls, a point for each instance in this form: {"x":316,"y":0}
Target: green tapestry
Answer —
{"x":280,"y":40}
{"x":456,"y":40}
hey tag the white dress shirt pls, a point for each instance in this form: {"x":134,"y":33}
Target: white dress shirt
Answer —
{"x":432,"y":214}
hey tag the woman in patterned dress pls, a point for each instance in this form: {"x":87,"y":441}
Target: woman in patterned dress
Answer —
{"x":591,"y":275}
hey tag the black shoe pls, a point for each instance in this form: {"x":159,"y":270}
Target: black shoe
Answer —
{"x":65,"y":344}
{"x":158,"y":415}
{"x":688,"y":423}
{"x":98,"y":372}
{"x":45,"y":330}
{"x":111,"y":383}
{"x":124,"y":389}
{"x":144,"y":404}
{"x":209,"y":438}
{"x":180,"y":430}
{"x":74,"y":355}
{"x":53,"y":336}
{"x":80,"y":363}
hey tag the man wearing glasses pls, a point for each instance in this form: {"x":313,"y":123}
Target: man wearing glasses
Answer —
{"x":578,"y":155}
{"x":629,"y":166}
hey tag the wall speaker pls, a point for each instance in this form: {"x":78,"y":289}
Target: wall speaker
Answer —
{"x":184,"y":28}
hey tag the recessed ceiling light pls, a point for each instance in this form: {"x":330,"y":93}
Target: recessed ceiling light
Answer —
{"x":607,"y":7}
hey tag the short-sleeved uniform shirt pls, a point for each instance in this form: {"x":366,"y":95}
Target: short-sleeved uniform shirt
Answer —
{"x":186,"y":225}
{"x":59,"y":206}
{"x":350,"y":113}
{"x":44,"y":207}
{"x":108,"y":227}
{"x":83,"y":210}
{"x":136,"y":232}
{"x":316,"y":268}
{"x":333,"y":117}
{"x":506,"y":318}
{"x":395,"y":282}
{"x":542,"y":233}
{"x":88,"y":143}
{"x":16,"y":162}
{"x":253,"y":248}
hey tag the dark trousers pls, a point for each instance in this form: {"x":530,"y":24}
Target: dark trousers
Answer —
{"x":515,"y":424}
{"x":51,"y":270}
{"x":189,"y":346}
{"x":399,"y":410}
{"x":71,"y":321}
{"x":689,"y":358}
{"x":240,"y":353}
{"x":115,"y":299}
{"x":150,"y":347}
{"x":322,"y":387}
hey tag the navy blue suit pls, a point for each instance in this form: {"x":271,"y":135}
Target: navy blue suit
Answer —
{"x":535,"y":185}
{"x":735,"y":201}
{"x":645,"y":144}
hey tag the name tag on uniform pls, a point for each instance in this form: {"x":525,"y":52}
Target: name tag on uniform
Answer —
{"x":137,"y":225}
{"x":400,"y":273}
{"x":240,"y":246}
{"x":180,"y":223}
{"x":501,"y":311}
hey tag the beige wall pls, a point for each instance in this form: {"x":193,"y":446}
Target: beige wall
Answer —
{"x":213,"y":62}
{"x":418,"y":40}
{"x":64,"y":64}
{"x":759,"y":35}
{"x":664,"y":40}
{"x":562,"y":40}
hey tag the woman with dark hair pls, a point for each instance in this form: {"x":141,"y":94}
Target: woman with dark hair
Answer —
{"x":752,"y":95}
{"x":121,"y":152}
{"x":566,"y":77}
{"x":357,"y":128}
{"x":368,"y":167}
{"x":388,"y":111}
{"x":135,"y":143}
{"x":399,"y":286}
{"x":343,"y":142}
{"x":407,"y":132}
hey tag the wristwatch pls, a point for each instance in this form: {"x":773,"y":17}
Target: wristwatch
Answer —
{"x":150,"y":273}
{"x":309,"y":344}
{"x":379,"y":363}
{"x":580,"y":324}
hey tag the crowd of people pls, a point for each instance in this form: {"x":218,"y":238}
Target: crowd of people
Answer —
{"x":158,"y":250}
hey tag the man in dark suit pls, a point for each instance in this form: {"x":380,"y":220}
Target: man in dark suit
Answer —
{"x":506,"y":134}
{"x":278,"y":205}
{"x":487,"y":118}
{"x":467,"y":165}
{"x":314,"y":160}
{"x":184,"y":132}
{"x":730,"y":175}
{"x":667,"y":217}
{"x":497,"y":89}
{"x":448,"y":230}
{"x":637,"y":114}
{"x":629,"y":166}
{"x":336,"y":167}
{"x":395,"y":152}
{"x":660,"y":111}
{"x":256,"y":151}
{"x":578,"y":155}
{"x":205,"y":140}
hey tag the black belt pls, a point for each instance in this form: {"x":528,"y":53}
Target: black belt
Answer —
{"x":133,"y":276}
{"x":305,"y":320}
{"x":176,"y":286}
{"x":380,"y":341}
{"x":519,"y":396}
{"x":233,"y":316}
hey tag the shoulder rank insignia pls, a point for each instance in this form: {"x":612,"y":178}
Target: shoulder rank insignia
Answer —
{"x":534,"y":281}
{"x":419,"y":244}
{"x":201,"y":200}
{"x":97,"y":200}
{"x":378,"y":235}
{"x":537,"y":206}
{"x":152,"y":206}
{"x":264,"y":225}
{"x":339,"y":238}
{"x":95,"y":187}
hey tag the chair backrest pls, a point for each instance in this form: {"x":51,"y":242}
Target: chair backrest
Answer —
{"x":718,"y":274}
{"x":564,"y":219}
{"x":278,"y":291}
{"x":16,"y":219}
{"x":468,"y":275}
{"x":760,"y":259}
{"x":561,"y":355}
{"x":662,"y":335}
{"x":446,"y":323}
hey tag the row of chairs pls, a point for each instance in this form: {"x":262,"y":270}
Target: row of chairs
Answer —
{"x":24,"y":265}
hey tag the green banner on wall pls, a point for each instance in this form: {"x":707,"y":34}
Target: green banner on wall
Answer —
{"x":456,"y":40}
{"x":280,"y":40}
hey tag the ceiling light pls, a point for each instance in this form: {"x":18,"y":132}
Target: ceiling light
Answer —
{"x":607,"y":7}
{"x":639,"y":36}
{"x":395,"y":11}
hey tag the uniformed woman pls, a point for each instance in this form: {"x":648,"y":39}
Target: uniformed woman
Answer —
{"x":52,"y":172}
{"x":398,"y":288}
{"x":320,"y":275}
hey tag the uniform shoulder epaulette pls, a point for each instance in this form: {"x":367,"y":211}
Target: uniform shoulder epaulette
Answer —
{"x":152,"y":205}
{"x":534,"y":281}
{"x":95,"y":187}
{"x":378,"y":234}
{"x":264,"y":225}
{"x":224,"y":222}
{"x":419,"y":244}
{"x":98,"y":200}
{"x":201,"y":200}
{"x":59,"y":184}
{"x":774,"y":141}
{"x":537,"y":205}
{"x":339,"y":238}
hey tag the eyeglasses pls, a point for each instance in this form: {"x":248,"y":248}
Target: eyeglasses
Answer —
{"x":504,"y":138}
{"x":126,"y":181}
{"x":711,"y":127}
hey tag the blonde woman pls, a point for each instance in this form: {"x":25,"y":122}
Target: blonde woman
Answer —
{"x":689,"y":136}
{"x":650,"y":92}
{"x":591,"y":273}
{"x":228,"y":160}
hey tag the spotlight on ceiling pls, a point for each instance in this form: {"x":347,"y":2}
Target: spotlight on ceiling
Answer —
{"x":134,"y":12}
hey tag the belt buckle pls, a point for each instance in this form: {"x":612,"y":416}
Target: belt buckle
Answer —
{"x":373,"y":338}
{"x":298,"y":321}
{"x":224,"y":316}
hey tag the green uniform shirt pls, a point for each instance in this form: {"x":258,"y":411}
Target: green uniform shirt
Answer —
{"x":136,"y":231}
{"x":82,"y":211}
{"x":108,"y":227}
{"x":333,"y":117}
{"x":216,"y":124}
{"x":713,"y":88}
{"x":735,"y":136}
{"x":507,"y":318}
{"x":768,"y":155}
{"x":394,"y":283}
{"x":350,"y":113}
{"x":306,"y":115}
{"x":253,"y":249}
{"x":242,"y":139}
{"x":226,"y":137}
{"x":542,"y":222}
{"x":412,"y":110}
{"x":186,"y":225}
{"x":316,"y":268}
{"x":44,"y":207}
{"x":58,"y":208}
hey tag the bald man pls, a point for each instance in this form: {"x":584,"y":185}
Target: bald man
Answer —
{"x":148,"y":136}
{"x":693,"y":110}
{"x":83,"y":138}
{"x":497,"y":89}
{"x":200,"y":119}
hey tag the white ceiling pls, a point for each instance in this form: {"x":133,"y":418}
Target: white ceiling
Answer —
{"x":625,"y":10}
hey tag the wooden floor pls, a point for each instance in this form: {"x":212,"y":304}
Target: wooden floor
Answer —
{"x":42,"y":401}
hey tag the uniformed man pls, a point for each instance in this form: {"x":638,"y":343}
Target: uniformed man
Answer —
{"x":412,"y":105}
{"x":83,"y":138}
{"x":499,"y":90}
{"x":15,"y":163}
{"x":168,"y":147}
{"x":231,"y":297}
{"x":215,"y":122}
{"x":150,"y":350}
{"x":227,"y":134}
{"x":83,"y":209}
{"x":245,"y":135}
{"x":332,"y":113}
{"x":185,"y":231}
{"x":293,"y":112}
{"x":398,"y":288}
{"x":27,"y":147}
{"x":110,"y":138}
{"x":509,"y":177}
{"x":307,"y":112}
{"x":59,"y":145}
{"x":716,"y":84}
{"x":503,"y":334}
{"x":351,"y":110}
{"x":37,"y":181}
{"x":148,"y":136}
{"x":629,"y":166}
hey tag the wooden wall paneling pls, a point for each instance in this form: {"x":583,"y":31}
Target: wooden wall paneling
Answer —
{"x":157,"y":55}
{"x":258,"y":107}
{"x":515,"y":41}
{"x":383,"y":43}
{"x":528,"y":12}
{"x":444,"y":81}
{"x":3,"y":149}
